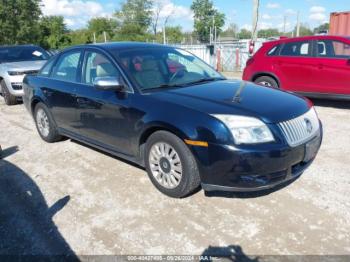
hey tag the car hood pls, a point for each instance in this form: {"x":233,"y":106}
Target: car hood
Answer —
{"x":24,"y":66}
{"x":221,"y":97}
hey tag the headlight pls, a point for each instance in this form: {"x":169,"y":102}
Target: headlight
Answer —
{"x":15,"y":73}
{"x":247,"y":130}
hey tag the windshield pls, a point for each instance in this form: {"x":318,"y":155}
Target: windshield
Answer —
{"x":158,"y":68}
{"x":22,"y":53}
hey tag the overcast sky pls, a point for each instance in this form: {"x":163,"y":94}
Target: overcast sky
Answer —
{"x":312,"y":12}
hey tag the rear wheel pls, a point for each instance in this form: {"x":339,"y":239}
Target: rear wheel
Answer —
{"x":171,"y":165}
{"x":9,"y":99}
{"x":45,"y":125}
{"x":266,"y":81}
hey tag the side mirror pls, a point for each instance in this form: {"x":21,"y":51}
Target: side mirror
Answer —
{"x":108,"y":83}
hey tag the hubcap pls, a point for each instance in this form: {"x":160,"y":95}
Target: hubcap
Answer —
{"x":264,"y":83}
{"x":165,"y":165}
{"x":43,"y":123}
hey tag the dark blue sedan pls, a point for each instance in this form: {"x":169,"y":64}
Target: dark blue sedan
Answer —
{"x":168,"y":111}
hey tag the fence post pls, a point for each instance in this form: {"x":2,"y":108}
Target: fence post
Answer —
{"x":218,"y":60}
{"x":237,"y":59}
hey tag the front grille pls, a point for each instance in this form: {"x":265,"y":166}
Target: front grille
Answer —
{"x":300,"y":129}
{"x":30,"y":72}
{"x":16,"y":86}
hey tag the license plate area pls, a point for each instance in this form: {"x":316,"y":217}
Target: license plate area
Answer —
{"x":311,"y":149}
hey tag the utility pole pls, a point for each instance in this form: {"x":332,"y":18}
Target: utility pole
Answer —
{"x":255,"y":19}
{"x":298,"y":24}
{"x":164,"y":35}
{"x":284,"y":24}
{"x":105,"y":36}
{"x":94,"y":38}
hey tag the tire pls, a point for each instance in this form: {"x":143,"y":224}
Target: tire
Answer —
{"x":266,"y":81}
{"x":45,"y":124}
{"x":181,"y":176}
{"x":9,"y":99}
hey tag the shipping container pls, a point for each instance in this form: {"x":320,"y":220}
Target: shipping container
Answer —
{"x":340,"y":24}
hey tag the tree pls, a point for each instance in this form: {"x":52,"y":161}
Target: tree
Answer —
{"x":53,"y":32}
{"x":99,"y":25}
{"x":174,"y":35}
{"x":265,"y":33}
{"x":19,"y":21}
{"x":206,"y":17}
{"x":321,"y":28}
{"x":231,"y":31}
{"x":304,"y":30}
{"x":244,"y":34}
{"x":135,"y":19}
{"x":82,"y":36}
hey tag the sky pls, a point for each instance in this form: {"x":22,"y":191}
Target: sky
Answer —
{"x":272,"y":12}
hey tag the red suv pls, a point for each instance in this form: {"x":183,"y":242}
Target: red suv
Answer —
{"x":314,"y":66}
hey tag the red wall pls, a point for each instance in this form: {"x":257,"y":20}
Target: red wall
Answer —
{"x":340,"y":24}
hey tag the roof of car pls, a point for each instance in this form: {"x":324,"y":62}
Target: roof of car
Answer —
{"x":306,"y":38}
{"x":6,"y":46}
{"x":122,"y":45}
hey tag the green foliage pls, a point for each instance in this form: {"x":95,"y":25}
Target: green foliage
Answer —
{"x":304,"y":30}
{"x":323,"y":27}
{"x":244,"y":34}
{"x":270,"y":32}
{"x":19,"y":21}
{"x":205,"y":15}
{"x":135,"y":18}
{"x":79,"y":37}
{"x":231,"y":31}
{"x":53,"y":32}
{"x":99,"y":25}
{"x":174,"y":35}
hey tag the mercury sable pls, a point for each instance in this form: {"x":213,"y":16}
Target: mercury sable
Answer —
{"x":166,"y":110}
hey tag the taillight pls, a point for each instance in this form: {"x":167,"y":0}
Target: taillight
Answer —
{"x":250,"y":61}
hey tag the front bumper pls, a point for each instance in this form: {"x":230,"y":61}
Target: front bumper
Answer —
{"x":14,"y":85}
{"x":243,"y":170}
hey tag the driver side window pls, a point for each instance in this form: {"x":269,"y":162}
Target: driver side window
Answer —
{"x":97,"y":65}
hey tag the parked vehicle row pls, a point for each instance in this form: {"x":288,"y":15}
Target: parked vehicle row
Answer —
{"x":166,"y":110}
{"x":314,"y":66}
{"x":15,"y":63}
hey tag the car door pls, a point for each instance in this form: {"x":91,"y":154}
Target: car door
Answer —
{"x":103,"y":114}
{"x":59,"y":89}
{"x":294,"y":65}
{"x":333,"y":67}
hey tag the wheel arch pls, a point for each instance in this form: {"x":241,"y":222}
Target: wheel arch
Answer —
{"x":151,"y":129}
{"x":269,"y":74}
{"x":33,"y":104}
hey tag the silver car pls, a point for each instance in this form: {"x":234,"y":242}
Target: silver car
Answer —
{"x":15,"y":63}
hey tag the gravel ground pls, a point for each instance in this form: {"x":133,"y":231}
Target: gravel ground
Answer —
{"x":69,"y":198}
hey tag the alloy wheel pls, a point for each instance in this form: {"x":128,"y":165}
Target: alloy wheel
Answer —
{"x":43,"y":122}
{"x":165,"y":164}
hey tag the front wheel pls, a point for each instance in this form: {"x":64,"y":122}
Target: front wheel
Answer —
{"x":9,"y":99}
{"x":171,"y":165}
{"x":45,"y":125}
{"x":266,"y":81}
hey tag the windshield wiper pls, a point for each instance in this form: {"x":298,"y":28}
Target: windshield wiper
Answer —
{"x":203,"y":80}
{"x":162,"y":86}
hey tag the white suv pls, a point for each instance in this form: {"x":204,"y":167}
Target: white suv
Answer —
{"x":15,"y":63}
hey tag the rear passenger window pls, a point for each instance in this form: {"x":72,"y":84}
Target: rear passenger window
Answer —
{"x":67,"y":67}
{"x":333,"y":49}
{"x":274,"y":51}
{"x":296,"y":49}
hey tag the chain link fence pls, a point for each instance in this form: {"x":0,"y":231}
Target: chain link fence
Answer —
{"x":224,"y":57}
